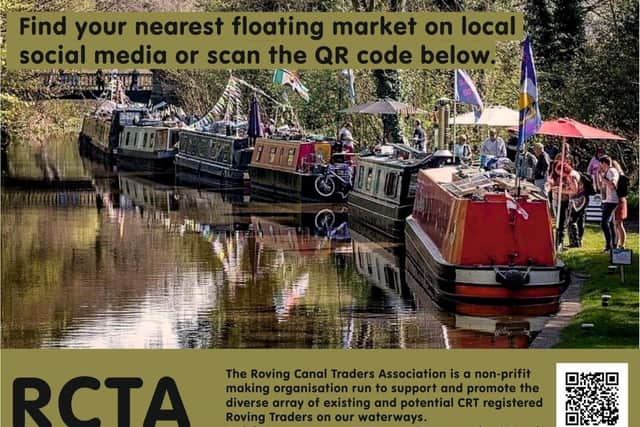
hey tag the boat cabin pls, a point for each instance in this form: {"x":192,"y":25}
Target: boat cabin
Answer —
{"x":148,"y":138}
{"x":385,"y":185}
{"x":215,"y":155}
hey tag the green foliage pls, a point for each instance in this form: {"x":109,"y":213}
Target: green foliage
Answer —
{"x":615,"y":326}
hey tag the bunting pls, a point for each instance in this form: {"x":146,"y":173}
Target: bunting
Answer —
{"x":230,"y":97}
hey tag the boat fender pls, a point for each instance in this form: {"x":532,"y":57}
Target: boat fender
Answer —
{"x":512,"y":278}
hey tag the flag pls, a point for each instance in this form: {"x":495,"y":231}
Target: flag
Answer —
{"x":349,"y":76}
{"x":512,"y":205}
{"x":530,"y":119}
{"x":291,"y":79}
{"x":466,"y":92}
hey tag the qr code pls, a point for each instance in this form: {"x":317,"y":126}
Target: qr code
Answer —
{"x":592,"y":394}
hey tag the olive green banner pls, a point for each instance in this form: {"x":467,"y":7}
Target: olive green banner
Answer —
{"x":258,"y":40}
{"x":320,"y":388}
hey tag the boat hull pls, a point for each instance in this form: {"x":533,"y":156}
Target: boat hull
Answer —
{"x":210,"y":169}
{"x":94,"y":149}
{"x":287,"y":185}
{"x":155,"y":161}
{"x":449,"y":283}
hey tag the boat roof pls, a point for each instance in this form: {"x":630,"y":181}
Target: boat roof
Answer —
{"x":394,"y":155}
{"x":469,"y":182}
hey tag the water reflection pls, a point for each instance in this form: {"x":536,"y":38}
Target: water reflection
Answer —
{"x":147,"y":263}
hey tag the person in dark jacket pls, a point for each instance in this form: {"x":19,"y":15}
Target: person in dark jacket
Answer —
{"x":541,"y":171}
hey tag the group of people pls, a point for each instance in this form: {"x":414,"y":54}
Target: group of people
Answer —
{"x":571,"y":189}
{"x":101,"y":79}
{"x":604,"y":175}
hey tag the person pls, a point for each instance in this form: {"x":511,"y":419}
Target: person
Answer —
{"x":345,"y":143}
{"x":134,"y":80}
{"x":493,"y":146}
{"x":100,"y":79}
{"x":418,"y":136}
{"x":541,"y":171}
{"x":345,"y":133}
{"x":512,"y":145}
{"x":594,"y":168}
{"x":576,"y":214}
{"x":462,"y":150}
{"x":620,"y":214}
{"x":568,"y":186}
{"x":529,"y":163}
{"x":609,"y":182}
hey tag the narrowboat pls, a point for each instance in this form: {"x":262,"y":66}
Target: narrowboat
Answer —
{"x":470,"y":239}
{"x":100,"y":134}
{"x":299,"y":170}
{"x":150,"y":145}
{"x":385,"y":185}
{"x":206,"y":155}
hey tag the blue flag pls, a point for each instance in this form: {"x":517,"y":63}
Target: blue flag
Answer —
{"x":466,"y":92}
{"x":530,"y":118}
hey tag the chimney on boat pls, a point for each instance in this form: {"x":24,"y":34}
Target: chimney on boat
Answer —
{"x":443,"y":110}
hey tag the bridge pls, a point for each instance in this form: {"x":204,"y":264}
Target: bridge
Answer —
{"x":84,"y":84}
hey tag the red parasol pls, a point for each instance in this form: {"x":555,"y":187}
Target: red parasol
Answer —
{"x":569,"y":128}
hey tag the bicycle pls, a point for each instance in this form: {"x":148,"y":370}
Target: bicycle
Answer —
{"x":334,"y":178}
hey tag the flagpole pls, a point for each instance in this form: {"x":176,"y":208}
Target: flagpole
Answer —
{"x":559,"y":199}
{"x":455,"y":99}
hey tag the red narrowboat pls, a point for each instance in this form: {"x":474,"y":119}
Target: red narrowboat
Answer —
{"x":297,"y":170}
{"x":470,"y":241}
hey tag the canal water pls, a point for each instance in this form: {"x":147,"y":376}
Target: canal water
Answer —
{"x":95,"y":257}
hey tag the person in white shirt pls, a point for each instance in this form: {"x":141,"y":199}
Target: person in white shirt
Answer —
{"x":610,"y":200}
{"x":494,"y":145}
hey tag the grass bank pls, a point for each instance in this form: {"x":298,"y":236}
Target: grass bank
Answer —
{"x":615,"y":326}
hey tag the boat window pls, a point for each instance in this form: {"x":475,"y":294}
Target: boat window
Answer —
{"x":272,"y":154}
{"x":369,"y":179}
{"x":135,"y":139}
{"x":281,"y":153}
{"x":390,"y":184}
{"x":376,"y":183}
{"x":224,"y":155}
{"x":260,"y":148}
{"x":126,"y":139}
{"x":151,"y":138}
{"x":360,"y":176}
{"x":203,"y":147}
{"x":290,"y":156}
{"x":144,"y":140}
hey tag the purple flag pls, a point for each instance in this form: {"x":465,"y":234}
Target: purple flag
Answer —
{"x":530,"y":118}
{"x":466,"y":92}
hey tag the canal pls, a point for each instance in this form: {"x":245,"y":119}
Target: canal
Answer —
{"x":94,"y":257}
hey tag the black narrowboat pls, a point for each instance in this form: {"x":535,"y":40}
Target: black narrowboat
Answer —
{"x":209,"y":155}
{"x":100,"y":134}
{"x":385,"y":185}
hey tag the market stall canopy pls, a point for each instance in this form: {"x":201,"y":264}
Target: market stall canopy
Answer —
{"x":569,"y":128}
{"x":497,"y":116}
{"x":384,"y":106}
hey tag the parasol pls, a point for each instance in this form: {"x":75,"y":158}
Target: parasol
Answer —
{"x":384,"y":106}
{"x":569,"y":128}
{"x":497,"y":116}
{"x":255,"y":126}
